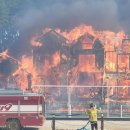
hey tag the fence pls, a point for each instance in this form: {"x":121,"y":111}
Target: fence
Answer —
{"x":74,"y":100}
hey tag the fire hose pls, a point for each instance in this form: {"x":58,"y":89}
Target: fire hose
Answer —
{"x":84,"y":127}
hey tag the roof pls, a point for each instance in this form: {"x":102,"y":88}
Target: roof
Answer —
{"x":52,"y":36}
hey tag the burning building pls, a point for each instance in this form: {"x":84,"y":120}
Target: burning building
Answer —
{"x":52,"y":57}
{"x":57,"y":58}
{"x":117,"y":66}
{"x":90,"y":55}
{"x":80,"y":57}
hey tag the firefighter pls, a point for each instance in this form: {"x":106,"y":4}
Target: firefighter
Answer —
{"x":92,"y":112}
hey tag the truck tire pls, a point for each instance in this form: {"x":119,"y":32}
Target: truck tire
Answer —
{"x":13,"y":124}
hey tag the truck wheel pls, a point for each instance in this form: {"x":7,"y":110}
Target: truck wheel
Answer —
{"x":13,"y":124}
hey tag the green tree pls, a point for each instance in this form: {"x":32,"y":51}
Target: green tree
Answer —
{"x":8,"y":30}
{"x":4,"y":13}
{"x":8,"y":10}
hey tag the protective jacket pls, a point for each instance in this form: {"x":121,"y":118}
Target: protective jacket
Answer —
{"x":92,"y":114}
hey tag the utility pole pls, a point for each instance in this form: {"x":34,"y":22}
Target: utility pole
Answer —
{"x":69,"y":92}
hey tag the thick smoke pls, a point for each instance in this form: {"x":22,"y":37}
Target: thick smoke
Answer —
{"x":32,"y":17}
{"x":123,"y":14}
{"x":101,"y":14}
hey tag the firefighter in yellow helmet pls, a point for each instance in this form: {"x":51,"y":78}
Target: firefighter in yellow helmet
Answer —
{"x":92,"y":112}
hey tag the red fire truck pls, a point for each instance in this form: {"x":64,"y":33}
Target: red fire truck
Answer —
{"x":20,"y":109}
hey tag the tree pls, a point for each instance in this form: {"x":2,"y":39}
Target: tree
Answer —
{"x":8,"y":31}
{"x":3,"y":14}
